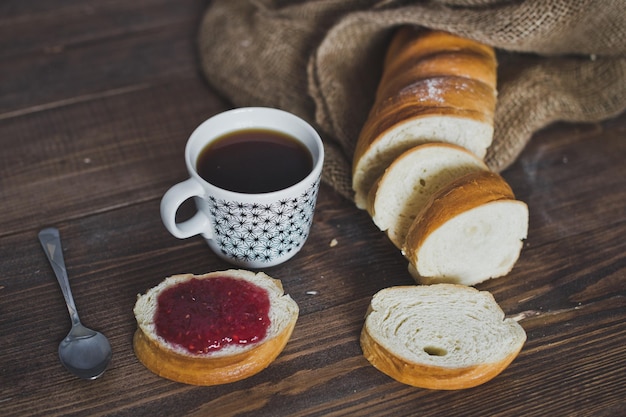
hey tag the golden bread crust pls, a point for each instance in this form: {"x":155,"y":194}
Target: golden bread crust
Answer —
{"x":410,"y":42}
{"x":427,"y":376}
{"x":207,"y":371}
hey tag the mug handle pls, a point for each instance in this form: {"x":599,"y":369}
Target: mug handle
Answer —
{"x":173,"y":199}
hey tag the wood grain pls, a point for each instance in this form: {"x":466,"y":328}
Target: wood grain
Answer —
{"x":96,"y":102}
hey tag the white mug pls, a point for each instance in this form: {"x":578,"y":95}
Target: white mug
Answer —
{"x":247,"y":230}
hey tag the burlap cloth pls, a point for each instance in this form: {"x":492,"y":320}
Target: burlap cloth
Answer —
{"x":558,"y":60}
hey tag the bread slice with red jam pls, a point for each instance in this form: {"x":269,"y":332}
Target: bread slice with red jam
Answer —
{"x":215,"y":328}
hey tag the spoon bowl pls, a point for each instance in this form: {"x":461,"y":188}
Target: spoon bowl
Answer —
{"x":84,"y":352}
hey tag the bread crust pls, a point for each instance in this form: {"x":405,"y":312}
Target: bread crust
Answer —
{"x":210,"y":369}
{"x":410,"y":42}
{"x":427,"y":376}
{"x":457,"y":64}
{"x":207,"y":371}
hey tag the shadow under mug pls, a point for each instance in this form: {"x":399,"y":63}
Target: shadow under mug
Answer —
{"x":247,"y":230}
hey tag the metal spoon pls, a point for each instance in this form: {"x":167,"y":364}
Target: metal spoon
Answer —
{"x":84,"y":352}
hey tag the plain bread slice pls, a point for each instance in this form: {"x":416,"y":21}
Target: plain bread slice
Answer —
{"x":470,"y":231}
{"x":440,"y":336}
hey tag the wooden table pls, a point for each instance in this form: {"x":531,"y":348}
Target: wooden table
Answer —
{"x":96,"y":102}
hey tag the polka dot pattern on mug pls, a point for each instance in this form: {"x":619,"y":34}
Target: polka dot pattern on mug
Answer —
{"x":257,"y":232}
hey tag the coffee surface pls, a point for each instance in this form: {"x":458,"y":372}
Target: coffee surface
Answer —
{"x":254,"y":161}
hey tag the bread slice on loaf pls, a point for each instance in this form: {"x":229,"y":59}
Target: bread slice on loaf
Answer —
{"x":435,"y":87}
{"x":405,"y":187}
{"x":231,"y":363}
{"x":440,"y":336}
{"x":470,"y":231}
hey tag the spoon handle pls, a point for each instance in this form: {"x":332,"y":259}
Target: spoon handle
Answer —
{"x":51,"y":243}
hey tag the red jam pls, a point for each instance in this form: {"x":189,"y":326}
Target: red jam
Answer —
{"x":205,"y":315}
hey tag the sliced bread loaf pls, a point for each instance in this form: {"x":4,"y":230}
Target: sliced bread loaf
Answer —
{"x":405,"y":187}
{"x":435,"y":87}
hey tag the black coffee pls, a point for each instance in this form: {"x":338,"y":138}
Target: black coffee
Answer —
{"x":254,"y":161}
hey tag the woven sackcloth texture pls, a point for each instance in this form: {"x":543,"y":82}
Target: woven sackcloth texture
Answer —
{"x":559,"y":60}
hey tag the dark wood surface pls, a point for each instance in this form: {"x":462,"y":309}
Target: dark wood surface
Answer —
{"x":96,"y":102}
